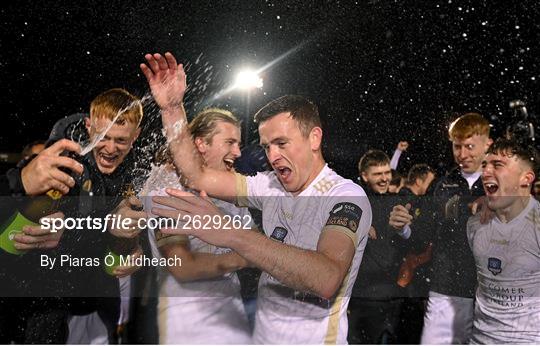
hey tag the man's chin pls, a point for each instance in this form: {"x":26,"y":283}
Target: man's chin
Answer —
{"x":106,"y":169}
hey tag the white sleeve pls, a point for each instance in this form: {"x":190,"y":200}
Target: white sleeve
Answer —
{"x":250,"y":190}
{"x":395,"y":159}
{"x":405,"y":233}
{"x":349,"y":212}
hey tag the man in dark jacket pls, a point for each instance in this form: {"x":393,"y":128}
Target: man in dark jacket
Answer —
{"x":412,"y":216}
{"x":449,"y":313}
{"x":24,"y":318}
{"x":376,"y":299}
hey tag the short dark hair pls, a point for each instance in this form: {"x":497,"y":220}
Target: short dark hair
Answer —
{"x":511,"y":147}
{"x":27,"y":150}
{"x":396,"y":178}
{"x":302,"y":110}
{"x":418,"y":171}
{"x":373,"y":157}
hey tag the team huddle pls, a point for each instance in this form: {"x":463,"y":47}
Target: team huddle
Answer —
{"x":317,"y":232}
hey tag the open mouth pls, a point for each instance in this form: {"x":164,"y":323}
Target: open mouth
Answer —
{"x":107,"y":160}
{"x":228,"y":163}
{"x":283,"y":172}
{"x":491,"y":187}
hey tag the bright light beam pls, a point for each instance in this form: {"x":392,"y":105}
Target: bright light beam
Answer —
{"x":257,"y":72}
{"x":248,"y":79}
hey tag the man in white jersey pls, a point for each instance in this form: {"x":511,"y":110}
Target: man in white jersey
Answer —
{"x":199,"y":301}
{"x":507,"y":249}
{"x":315,"y":222}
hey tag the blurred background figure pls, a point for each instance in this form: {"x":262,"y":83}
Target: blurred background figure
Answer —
{"x":536,"y":188}
{"x":32,"y":148}
{"x":397,"y":182}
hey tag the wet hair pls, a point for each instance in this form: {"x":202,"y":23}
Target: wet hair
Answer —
{"x":372,"y":158}
{"x":468,"y":125}
{"x":205,"y":122}
{"x":418,"y":171}
{"x":511,"y":147}
{"x":301,"y":109}
{"x":109,"y":103}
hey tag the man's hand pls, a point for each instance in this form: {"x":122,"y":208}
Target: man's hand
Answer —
{"x":130,"y":208}
{"x":122,"y":271}
{"x":400,"y":216}
{"x":166,"y":78}
{"x":372,"y":233}
{"x":43,"y":172}
{"x":182,"y":203}
{"x":481,"y":205}
{"x":38,"y":237}
{"x":403,"y":145}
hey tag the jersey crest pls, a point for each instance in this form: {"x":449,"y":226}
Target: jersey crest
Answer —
{"x":279,"y":234}
{"x":494,"y":265}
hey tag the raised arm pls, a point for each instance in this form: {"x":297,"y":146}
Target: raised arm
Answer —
{"x":167,"y":81}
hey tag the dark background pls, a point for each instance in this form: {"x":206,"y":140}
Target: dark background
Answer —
{"x":380,"y":71}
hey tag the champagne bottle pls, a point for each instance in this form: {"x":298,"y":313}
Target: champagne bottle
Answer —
{"x":410,"y":263}
{"x":32,"y":209}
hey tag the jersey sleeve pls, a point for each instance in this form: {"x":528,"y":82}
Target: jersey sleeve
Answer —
{"x":349,"y":212}
{"x":472,"y":225}
{"x":251,"y":189}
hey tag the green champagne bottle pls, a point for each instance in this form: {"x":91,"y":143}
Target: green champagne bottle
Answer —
{"x":33,"y":209}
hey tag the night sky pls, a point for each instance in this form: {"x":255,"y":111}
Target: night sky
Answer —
{"x":380,"y":71}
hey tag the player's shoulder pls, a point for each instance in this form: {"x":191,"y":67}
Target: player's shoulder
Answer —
{"x":534,"y":212}
{"x":264,"y":183}
{"x":160,"y":177}
{"x":333,"y":184}
{"x":473,"y":223}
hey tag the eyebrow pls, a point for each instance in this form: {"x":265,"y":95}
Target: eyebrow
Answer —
{"x":277,"y":139}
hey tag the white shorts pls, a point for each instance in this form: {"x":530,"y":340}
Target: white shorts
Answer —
{"x":87,"y":329}
{"x":205,"y":320}
{"x":448,"y":320}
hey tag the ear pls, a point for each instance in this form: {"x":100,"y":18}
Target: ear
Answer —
{"x":315,"y":138}
{"x":364,"y":176}
{"x":200,"y":144}
{"x":489,"y":143}
{"x":527,"y":179}
{"x":87,"y":124}
{"x":137,"y":133}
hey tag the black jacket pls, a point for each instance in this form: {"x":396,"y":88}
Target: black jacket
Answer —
{"x":454,"y":270}
{"x":382,"y":258}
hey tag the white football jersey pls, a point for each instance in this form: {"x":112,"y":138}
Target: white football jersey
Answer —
{"x":286,"y":316}
{"x":197,"y":312}
{"x":507,"y":259}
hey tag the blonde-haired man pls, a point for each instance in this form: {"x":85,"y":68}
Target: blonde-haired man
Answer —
{"x":205,"y":287}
